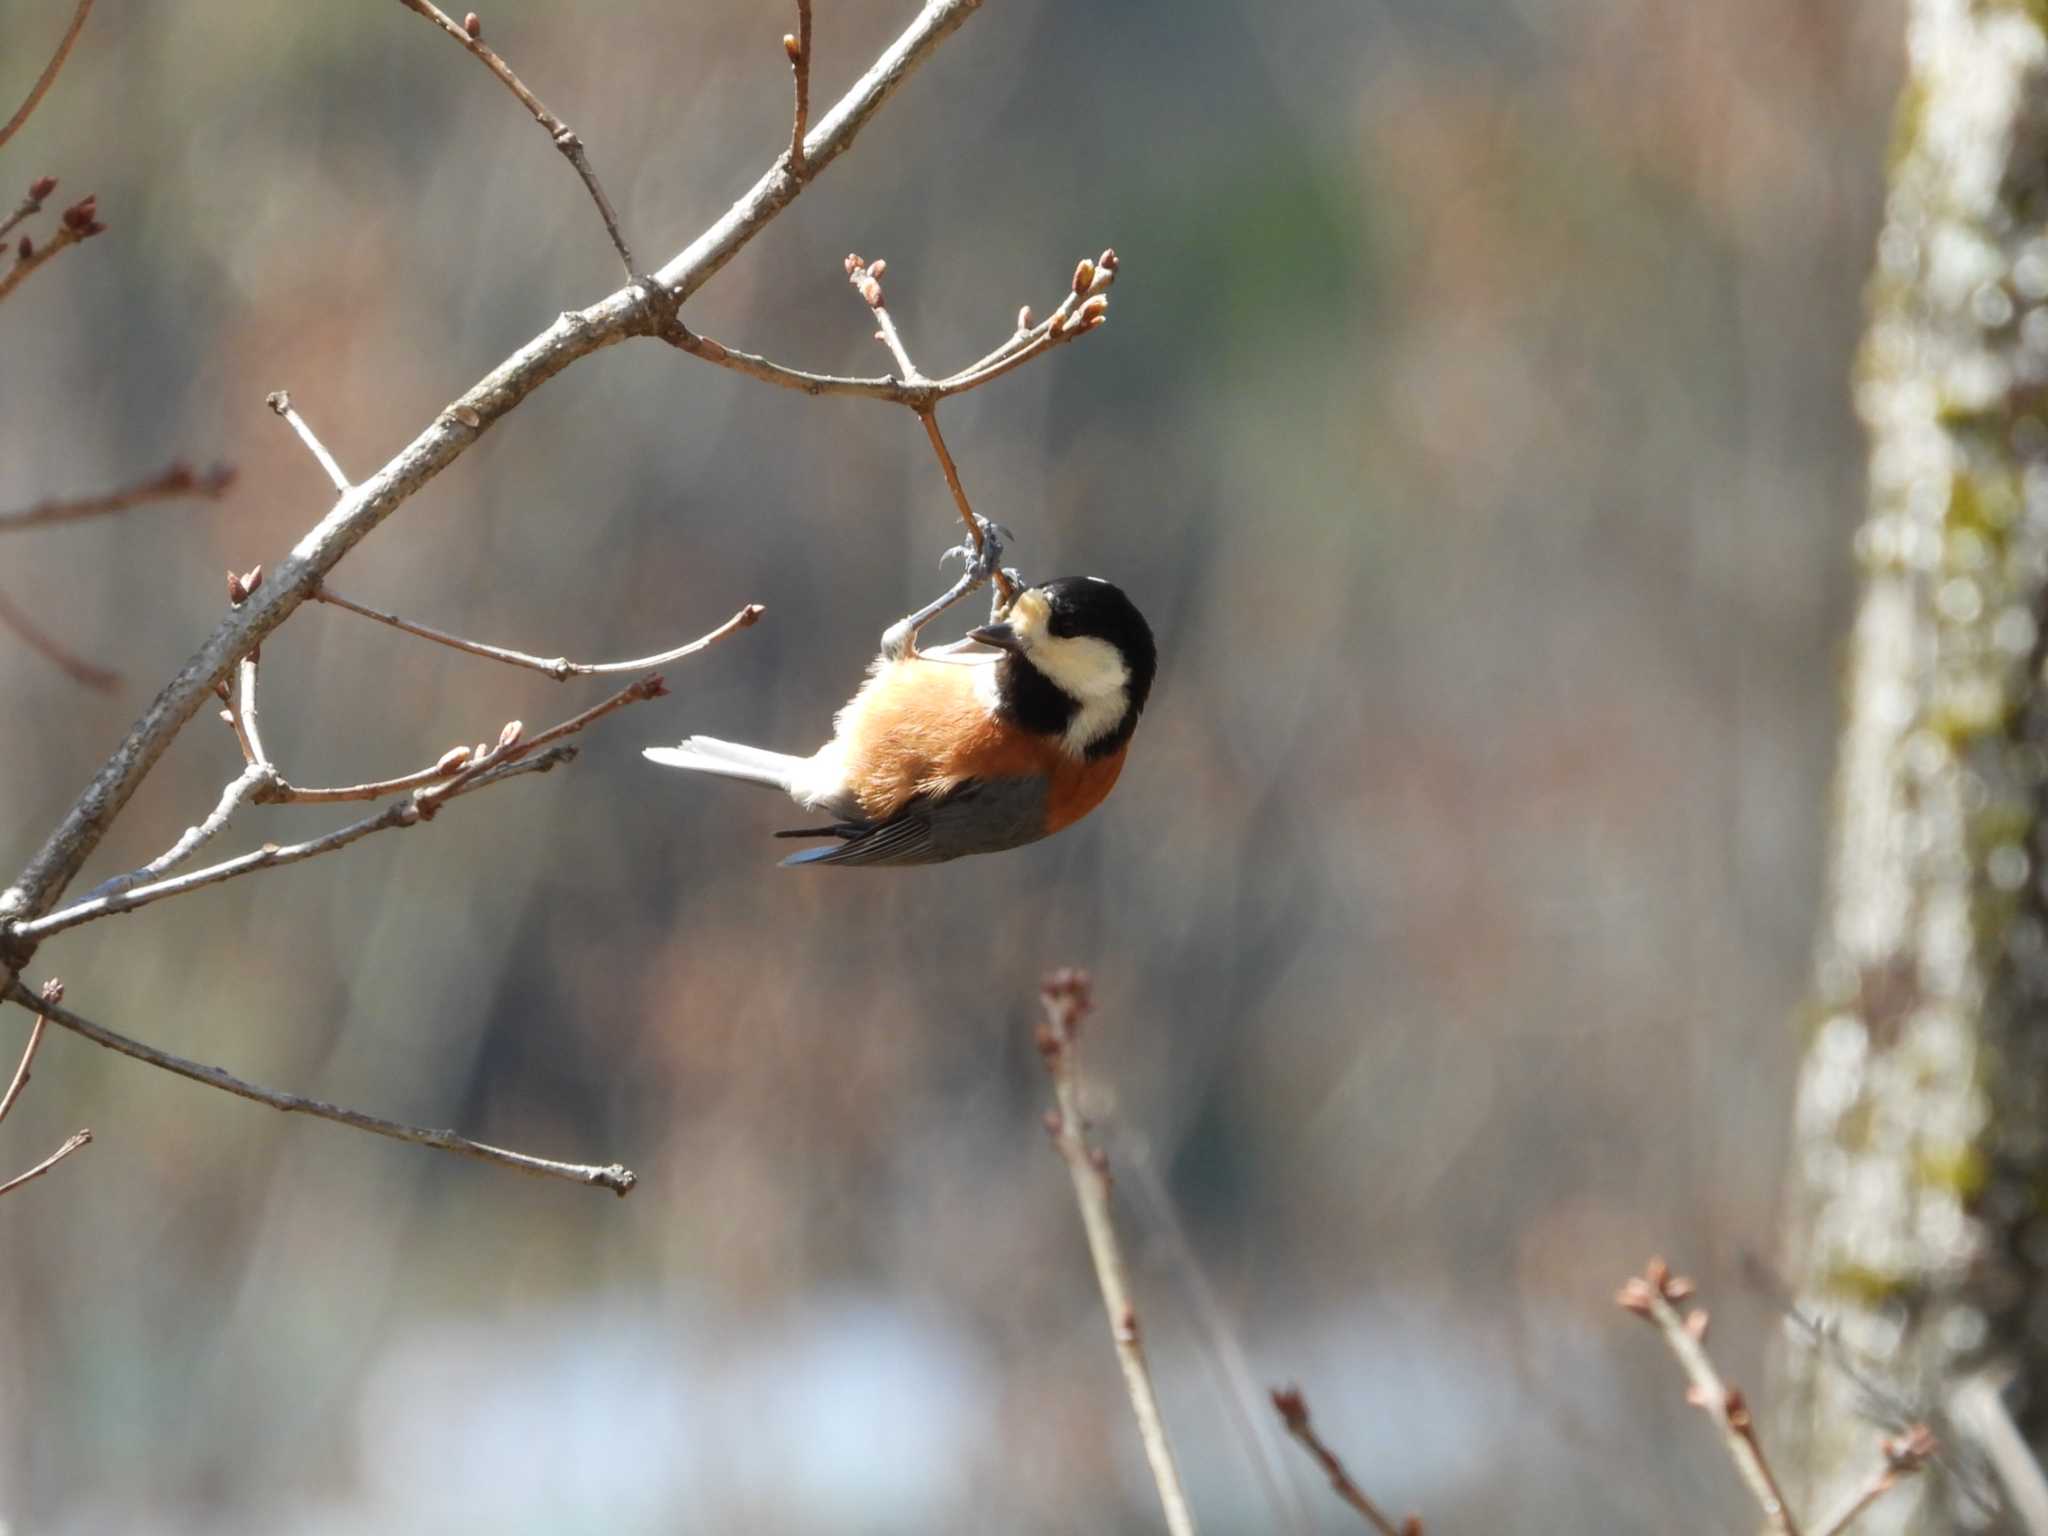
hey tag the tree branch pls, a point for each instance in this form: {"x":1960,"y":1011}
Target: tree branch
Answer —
{"x":471,"y":35}
{"x":631,"y":311}
{"x":81,"y":222}
{"x":177,"y":481}
{"x":280,"y":401}
{"x":72,"y":1144}
{"x":49,"y":74}
{"x":559,"y":668}
{"x":1656,"y":1295}
{"x":53,"y":992}
{"x":30,"y":205}
{"x":405,"y":813}
{"x":1067,"y":1000}
{"x":867,"y":282}
{"x":1293,"y":1410}
{"x":798,"y":47}
{"x":618,"y":1179}
{"x":72,"y":665}
{"x":238,"y":793}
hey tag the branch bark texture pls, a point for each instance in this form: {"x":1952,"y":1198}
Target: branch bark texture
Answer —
{"x":631,"y":311}
{"x":1917,"y":1224}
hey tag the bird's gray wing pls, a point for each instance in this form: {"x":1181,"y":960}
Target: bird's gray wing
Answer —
{"x":979,"y":816}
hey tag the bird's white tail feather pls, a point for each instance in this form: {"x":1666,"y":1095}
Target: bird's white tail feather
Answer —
{"x":730,"y":760}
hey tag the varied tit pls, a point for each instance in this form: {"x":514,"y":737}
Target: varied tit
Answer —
{"x":961,"y":752}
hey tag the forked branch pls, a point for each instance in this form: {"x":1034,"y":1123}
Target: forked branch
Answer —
{"x":631,"y":311}
{"x":80,"y":222}
{"x":53,"y":993}
{"x":614,"y":1177}
{"x":1656,"y":1295}
{"x":471,"y":35}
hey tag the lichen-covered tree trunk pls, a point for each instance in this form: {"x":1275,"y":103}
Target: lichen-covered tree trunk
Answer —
{"x":1918,"y":1211}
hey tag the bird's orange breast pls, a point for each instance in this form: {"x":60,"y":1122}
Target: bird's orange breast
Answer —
{"x":923,"y":727}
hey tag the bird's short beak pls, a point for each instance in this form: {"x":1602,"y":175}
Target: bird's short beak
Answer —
{"x":1001,"y":636}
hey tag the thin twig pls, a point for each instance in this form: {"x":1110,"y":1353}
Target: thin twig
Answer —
{"x":513,"y":744}
{"x":77,"y":1140}
{"x":1656,"y":1295}
{"x":1006,"y":589}
{"x":49,"y":74}
{"x":866,"y":278}
{"x":798,"y":47}
{"x":451,"y":763}
{"x":72,"y":665}
{"x":240,"y":790}
{"x":630,"y":311}
{"x":559,"y":668}
{"x":1067,"y":999}
{"x":614,"y":1177}
{"x":405,"y":813}
{"x":471,"y":37}
{"x":1027,"y":342}
{"x":1902,"y":1458}
{"x":53,"y":992}
{"x":178,"y":481}
{"x":280,"y":401}
{"x":30,"y":205}
{"x":1293,"y":1410}
{"x":81,"y":222}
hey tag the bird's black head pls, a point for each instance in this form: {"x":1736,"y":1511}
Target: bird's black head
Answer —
{"x":1081,"y":663}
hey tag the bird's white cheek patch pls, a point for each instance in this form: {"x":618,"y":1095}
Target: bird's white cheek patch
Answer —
{"x":1092,"y":673}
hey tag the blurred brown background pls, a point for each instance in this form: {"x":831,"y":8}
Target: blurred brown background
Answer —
{"x":1473,"y":427}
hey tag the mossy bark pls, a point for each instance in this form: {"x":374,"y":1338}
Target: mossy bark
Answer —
{"x":1919,"y":1179}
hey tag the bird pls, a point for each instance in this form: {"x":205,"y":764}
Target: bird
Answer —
{"x":962,"y":751}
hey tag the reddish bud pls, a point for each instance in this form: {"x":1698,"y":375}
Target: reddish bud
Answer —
{"x":1657,"y":1272}
{"x":1696,"y":1325}
{"x":1412,"y":1526}
{"x":236,"y":591}
{"x":449,"y":761}
{"x":79,"y":216}
{"x":853,"y":263}
{"x":1736,"y":1407}
{"x":1678,"y":1288}
{"x":1107,"y":261}
{"x":877,"y":267}
{"x":1024,"y":318}
{"x":871,"y":291}
{"x":41,"y":188}
{"x":793,"y":48}
{"x":1053,"y":1123}
{"x":252,"y":578}
{"x":513,"y":730}
{"x":1291,"y":1406}
{"x":473,"y":24}
{"x":26,"y":249}
{"x":1084,"y":274}
{"x":227,"y":717}
{"x":1634,"y":1296}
